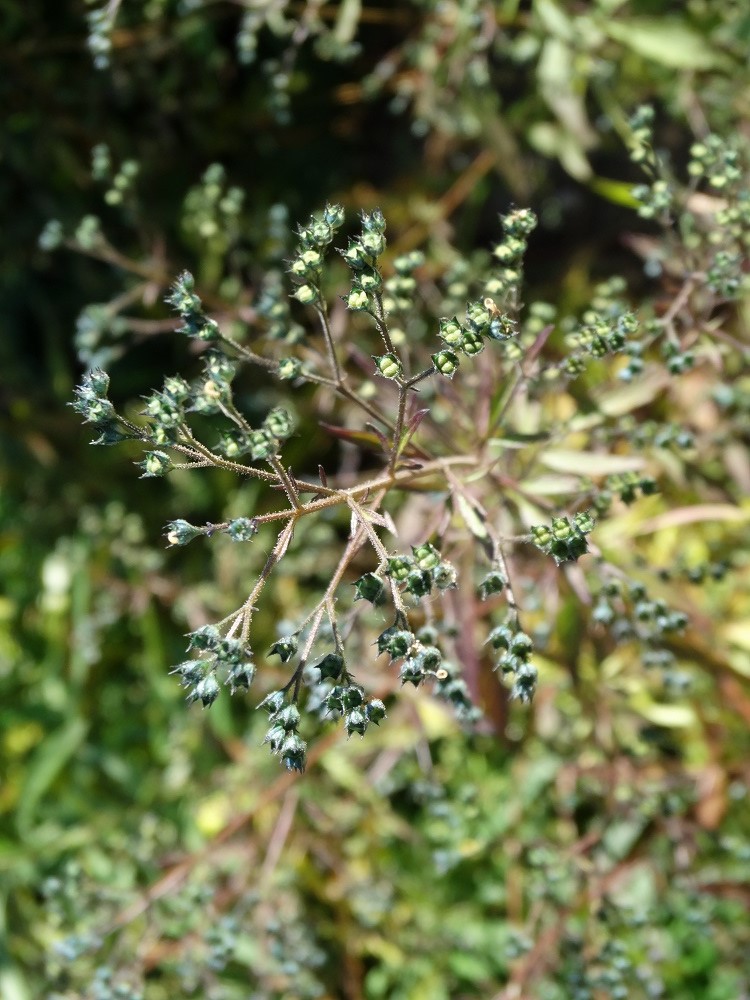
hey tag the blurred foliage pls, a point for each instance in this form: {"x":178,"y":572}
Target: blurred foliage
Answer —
{"x":596,"y":847}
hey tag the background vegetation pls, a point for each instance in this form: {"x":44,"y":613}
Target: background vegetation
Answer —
{"x":593,"y":845}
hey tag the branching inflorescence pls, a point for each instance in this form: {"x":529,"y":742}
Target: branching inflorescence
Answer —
{"x":473,"y":432}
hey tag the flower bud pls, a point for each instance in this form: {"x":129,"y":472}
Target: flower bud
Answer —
{"x":388,"y":365}
{"x":241,"y":529}
{"x":375,"y":711}
{"x":330,"y":666}
{"x":446,"y":362}
{"x":285,"y":648}
{"x":355,"y":722}
{"x":181,"y":532}
{"x":426,"y":556}
{"x":156,"y":463}
{"x":451,"y":332}
{"x":370,"y":588}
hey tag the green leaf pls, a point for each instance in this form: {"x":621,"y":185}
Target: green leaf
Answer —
{"x":471,"y":518}
{"x":46,"y":763}
{"x":583,"y":463}
{"x":667,"y":41}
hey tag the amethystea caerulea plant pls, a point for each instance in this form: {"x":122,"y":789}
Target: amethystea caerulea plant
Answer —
{"x":463,"y":392}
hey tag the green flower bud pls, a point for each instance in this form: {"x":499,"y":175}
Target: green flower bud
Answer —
{"x":241,"y":676}
{"x":207,"y":637}
{"x":479,"y":316}
{"x":352,"y":696}
{"x":330,"y":666}
{"x":307,"y":295}
{"x":375,"y":711}
{"x":419,"y":583}
{"x":426,"y":556}
{"x":493,"y":583}
{"x":262,"y":444}
{"x":156,"y":463}
{"x":370,"y":588}
{"x":285,"y":648}
{"x":373,"y":244}
{"x":289,"y":368}
{"x":399,"y":567}
{"x":278,"y":423}
{"x":373,"y":222}
{"x":207,"y":691}
{"x":430,"y":657}
{"x":357,"y":300}
{"x":273,"y":702}
{"x":355,"y":722}
{"x":98,"y":381}
{"x":561,"y":528}
{"x":584,"y":522}
{"x":181,"y":532}
{"x":501,"y":637}
{"x":388,"y":365}
{"x":320,"y":232}
{"x":288,"y":718}
{"x":231,"y":651}
{"x":521,"y":645}
{"x":355,"y":256}
{"x":541,"y":536}
{"x":369,"y":280}
{"x":446,"y":362}
{"x":191,"y":671}
{"x":241,"y":529}
{"x":444,"y":576}
{"x":334,"y":216}
{"x":411,"y":672}
{"x":471,"y":343}
{"x":451,"y":332}
{"x":293,"y":753}
{"x":395,"y":642}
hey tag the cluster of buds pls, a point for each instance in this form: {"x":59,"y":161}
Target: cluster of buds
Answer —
{"x":604,"y":335}
{"x":361,"y":257}
{"x":92,"y":403}
{"x":282,"y":735}
{"x":661,"y":435}
{"x":517,"y":227}
{"x":515,"y":648}
{"x":313,"y":239}
{"x":483,"y":319}
{"x":631,"y":614}
{"x":626,"y":485}
{"x":715,"y":160}
{"x":564,"y":539}
{"x":421,"y":657}
{"x":190,"y":308}
{"x":217,"y":656}
{"x":351,"y":703}
{"x":418,"y":573}
{"x":240,"y":529}
{"x":401,"y":287}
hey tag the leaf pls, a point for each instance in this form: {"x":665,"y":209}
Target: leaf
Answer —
{"x":471,"y":518}
{"x":550,"y":484}
{"x":357,"y":437}
{"x":669,"y":716}
{"x":518,"y":440}
{"x":616,"y":192}
{"x":582,"y":463}
{"x":667,"y":41}
{"x":46,"y":763}
{"x":631,"y":397}
{"x":680,"y":516}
